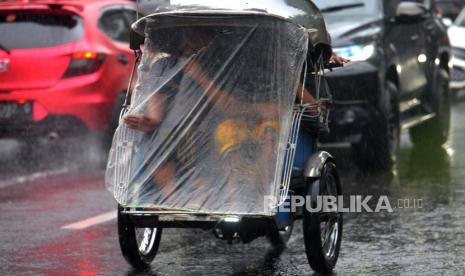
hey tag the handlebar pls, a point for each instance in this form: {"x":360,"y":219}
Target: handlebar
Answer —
{"x":331,"y":66}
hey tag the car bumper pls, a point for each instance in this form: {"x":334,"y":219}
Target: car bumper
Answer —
{"x":354,"y":89}
{"x":70,"y":105}
{"x":347,"y":122}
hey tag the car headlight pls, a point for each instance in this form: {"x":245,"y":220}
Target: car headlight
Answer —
{"x":356,"y":52}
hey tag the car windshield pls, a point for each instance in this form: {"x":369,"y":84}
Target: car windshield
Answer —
{"x":41,"y":29}
{"x":370,"y":8}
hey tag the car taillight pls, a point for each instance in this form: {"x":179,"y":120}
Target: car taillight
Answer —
{"x":84,"y":63}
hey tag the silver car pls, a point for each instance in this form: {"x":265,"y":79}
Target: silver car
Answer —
{"x":456,"y":35}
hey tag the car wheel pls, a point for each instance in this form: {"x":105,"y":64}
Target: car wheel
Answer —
{"x":454,"y":95}
{"x":435,"y":132}
{"x":380,"y":142}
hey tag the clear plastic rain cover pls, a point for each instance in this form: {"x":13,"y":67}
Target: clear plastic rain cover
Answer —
{"x":207,"y":128}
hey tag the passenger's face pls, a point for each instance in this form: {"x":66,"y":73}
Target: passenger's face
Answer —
{"x":194,"y":42}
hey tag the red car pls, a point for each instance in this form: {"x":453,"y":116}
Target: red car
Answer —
{"x":64,"y":65}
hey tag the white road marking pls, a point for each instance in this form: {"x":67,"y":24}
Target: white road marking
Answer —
{"x":83,"y":224}
{"x":32,"y":177}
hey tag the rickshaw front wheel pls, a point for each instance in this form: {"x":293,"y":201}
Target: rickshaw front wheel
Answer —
{"x":138,"y":245}
{"x":322,"y":229}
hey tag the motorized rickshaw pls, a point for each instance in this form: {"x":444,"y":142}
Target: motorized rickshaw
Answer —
{"x":221,"y":130}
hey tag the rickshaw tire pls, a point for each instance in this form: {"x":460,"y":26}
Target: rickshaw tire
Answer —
{"x":311,"y":225}
{"x":129,"y":246}
{"x":277,"y":239}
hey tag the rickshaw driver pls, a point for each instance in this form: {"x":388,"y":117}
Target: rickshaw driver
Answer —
{"x":228,"y":134}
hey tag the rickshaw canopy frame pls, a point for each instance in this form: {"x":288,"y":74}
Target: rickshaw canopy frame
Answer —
{"x":302,"y":13}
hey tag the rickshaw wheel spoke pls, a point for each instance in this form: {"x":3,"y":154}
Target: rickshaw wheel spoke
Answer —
{"x":146,"y":239}
{"x":138,"y":245}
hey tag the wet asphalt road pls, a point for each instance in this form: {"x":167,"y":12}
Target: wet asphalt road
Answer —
{"x":54,"y":186}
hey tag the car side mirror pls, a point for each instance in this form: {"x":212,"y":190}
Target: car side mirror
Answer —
{"x":411,"y":12}
{"x":135,"y":40}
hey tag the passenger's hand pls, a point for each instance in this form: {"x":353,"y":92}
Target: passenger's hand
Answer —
{"x":140,"y":122}
{"x":337,"y":59}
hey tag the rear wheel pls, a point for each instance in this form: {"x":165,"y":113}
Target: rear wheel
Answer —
{"x":279,"y":237}
{"x":138,"y":245}
{"x":380,"y":142}
{"x":435,"y":132}
{"x":280,"y":229}
{"x":323,"y":230}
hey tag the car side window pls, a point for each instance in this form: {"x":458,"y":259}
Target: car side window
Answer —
{"x":114,"y":23}
{"x":427,"y":3}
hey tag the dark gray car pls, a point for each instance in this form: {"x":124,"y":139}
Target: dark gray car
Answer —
{"x":399,"y":78}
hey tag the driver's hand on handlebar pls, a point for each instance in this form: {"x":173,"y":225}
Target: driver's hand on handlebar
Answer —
{"x":335,"y":59}
{"x":140,"y":122}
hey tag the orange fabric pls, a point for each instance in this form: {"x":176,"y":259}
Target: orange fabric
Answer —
{"x":231,"y":133}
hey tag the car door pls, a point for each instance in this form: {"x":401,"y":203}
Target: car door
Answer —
{"x":409,"y":40}
{"x":432,"y":38}
{"x":427,"y":58}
